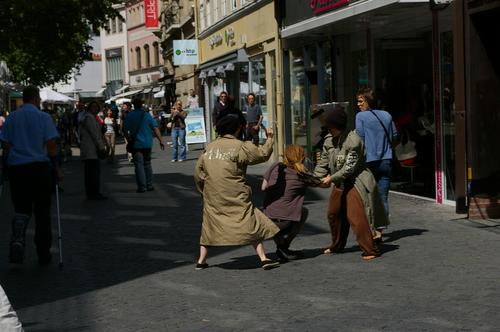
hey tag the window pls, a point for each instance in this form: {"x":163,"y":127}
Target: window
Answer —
{"x":141,"y":11}
{"x":138,"y":58}
{"x":234,"y":4}
{"x":156,"y":54}
{"x":112,"y":25}
{"x":242,"y":3}
{"x":216,"y":10}
{"x":114,"y":65}
{"x":223,"y":7}
{"x":119,"y":23}
{"x":202,"y":17}
{"x":209,"y":21}
{"x":147,"y":56}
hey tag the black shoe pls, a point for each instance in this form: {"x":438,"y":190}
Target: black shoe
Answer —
{"x":289,"y":255}
{"x":201,"y":266}
{"x":140,"y":191}
{"x":281,"y":255}
{"x":16,"y":255}
{"x":269,"y":264}
{"x":150,"y":188}
{"x":44,"y":258}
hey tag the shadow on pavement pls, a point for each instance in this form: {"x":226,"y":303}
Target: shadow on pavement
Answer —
{"x":399,"y":234}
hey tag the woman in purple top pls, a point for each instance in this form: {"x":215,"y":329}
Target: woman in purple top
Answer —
{"x":285,"y":186}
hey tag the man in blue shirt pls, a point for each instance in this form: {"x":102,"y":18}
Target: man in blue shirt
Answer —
{"x":139,"y":127}
{"x":378,"y":131}
{"x":29,"y":142}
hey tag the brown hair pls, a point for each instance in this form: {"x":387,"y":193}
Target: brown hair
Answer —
{"x":294,"y":158}
{"x":368,"y":95}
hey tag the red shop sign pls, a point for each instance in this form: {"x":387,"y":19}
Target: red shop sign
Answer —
{"x":151,"y":12}
{"x":320,"y":6}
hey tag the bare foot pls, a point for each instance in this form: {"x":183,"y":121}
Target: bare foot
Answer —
{"x":328,"y":251}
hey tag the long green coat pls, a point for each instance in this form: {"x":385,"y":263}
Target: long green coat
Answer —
{"x":344,"y":159}
{"x":229,"y":217}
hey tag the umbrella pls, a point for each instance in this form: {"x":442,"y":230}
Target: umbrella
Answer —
{"x":54,"y":97}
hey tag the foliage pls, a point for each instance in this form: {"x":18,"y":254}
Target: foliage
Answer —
{"x":43,"y":41}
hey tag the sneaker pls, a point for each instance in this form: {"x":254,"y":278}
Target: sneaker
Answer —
{"x":181,"y":160}
{"x":16,"y":255}
{"x":201,"y":266}
{"x":269,"y":264}
{"x":173,"y":161}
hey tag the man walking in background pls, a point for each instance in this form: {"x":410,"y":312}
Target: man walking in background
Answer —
{"x":254,"y":119}
{"x":29,"y":143}
{"x":192,"y":100}
{"x":139,"y":127}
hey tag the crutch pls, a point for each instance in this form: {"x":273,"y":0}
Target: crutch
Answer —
{"x":59,"y":235}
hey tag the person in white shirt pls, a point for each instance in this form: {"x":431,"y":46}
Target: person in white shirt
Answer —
{"x":192,"y":100}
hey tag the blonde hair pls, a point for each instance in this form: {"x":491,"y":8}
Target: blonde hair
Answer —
{"x":294,"y":158}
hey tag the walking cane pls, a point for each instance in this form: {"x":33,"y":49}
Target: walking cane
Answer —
{"x":59,"y":236}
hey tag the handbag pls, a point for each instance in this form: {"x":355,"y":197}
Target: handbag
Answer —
{"x":394,"y":161}
{"x":131,"y":140}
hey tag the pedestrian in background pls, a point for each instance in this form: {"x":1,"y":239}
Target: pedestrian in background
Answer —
{"x":355,"y":198}
{"x":377,"y":130}
{"x":139,"y":128}
{"x":192,"y":100}
{"x":177,"y":118}
{"x":285,"y":187}
{"x":229,"y":217}
{"x":220,"y":107}
{"x":91,"y":147}
{"x":110,"y":135}
{"x":9,"y":322}
{"x":29,"y":144}
{"x":254,"y":119}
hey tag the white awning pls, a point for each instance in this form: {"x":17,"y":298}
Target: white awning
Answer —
{"x":122,"y":89}
{"x":54,"y":97}
{"x":156,"y":89}
{"x":148,"y":90}
{"x":159,"y":94}
{"x":100,"y":93}
{"x":125,"y":94}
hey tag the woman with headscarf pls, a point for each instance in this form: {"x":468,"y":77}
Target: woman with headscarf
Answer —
{"x":355,"y":199}
{"x":229,"y":217}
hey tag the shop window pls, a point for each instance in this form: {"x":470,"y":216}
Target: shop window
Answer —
{"x":244,"y":83}
{"x":328,"y":65}
{"x":297,"y":94}
{"x":258,"y":80}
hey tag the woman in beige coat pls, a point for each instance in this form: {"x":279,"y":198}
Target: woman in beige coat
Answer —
{"x":229,"y":217}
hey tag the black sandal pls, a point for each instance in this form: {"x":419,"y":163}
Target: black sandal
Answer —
{"x":269,"y":264}
{"x":201,"y":266}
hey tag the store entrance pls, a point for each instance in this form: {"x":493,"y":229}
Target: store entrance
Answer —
{"x":404,"y":85}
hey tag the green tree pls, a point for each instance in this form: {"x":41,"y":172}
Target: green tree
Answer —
{"x":43,"y":41}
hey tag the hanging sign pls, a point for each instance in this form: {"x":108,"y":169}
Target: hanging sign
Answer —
{"x":185,"y":52}
{"x":151,"y":12}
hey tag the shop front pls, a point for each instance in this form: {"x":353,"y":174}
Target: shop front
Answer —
{"x":238,"y":55}
{"x":404,"y":51}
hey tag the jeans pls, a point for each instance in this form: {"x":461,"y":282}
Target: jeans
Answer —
{"x":382,"y":170}
{"x":179,"y":143}
{"x":30,"y":187}
{"x":143,"y":169}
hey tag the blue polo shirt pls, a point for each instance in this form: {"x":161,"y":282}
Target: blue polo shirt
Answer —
{"x":371,"y":131}
{"x":144,"y":137}
{"x":27,"y":131}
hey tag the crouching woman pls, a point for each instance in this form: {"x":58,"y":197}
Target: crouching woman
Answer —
{"x":229,"y":218}
{"x":355,"y":201}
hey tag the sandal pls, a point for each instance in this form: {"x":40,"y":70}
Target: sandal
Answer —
{"x":201,"y":266}
{"x":268,"y":264}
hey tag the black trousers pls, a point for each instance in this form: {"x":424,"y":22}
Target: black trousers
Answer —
{"x":30,"y":188}
{"x":286,"y":235}
{"x":92,"y":177}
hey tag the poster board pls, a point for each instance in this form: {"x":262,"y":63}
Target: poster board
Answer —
{"x":195,"y":126}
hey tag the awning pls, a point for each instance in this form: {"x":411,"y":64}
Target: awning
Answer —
{"x":156,"y":89}
{"x":125,"y":94}
{"x":100,"y":93}
{"x":122,"y":89}
{"x":159,"y":94}
{"x":148,"y":90}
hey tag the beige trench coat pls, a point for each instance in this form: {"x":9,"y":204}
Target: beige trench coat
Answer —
{"x":344,"y":159}
{"x":229,"y":217}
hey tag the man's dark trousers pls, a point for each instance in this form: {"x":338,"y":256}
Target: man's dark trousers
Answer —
{"x":30,"y":187}
{"x":92,"y":170}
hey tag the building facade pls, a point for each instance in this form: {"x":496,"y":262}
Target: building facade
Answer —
{"x":114,"y":65}
{"x":145,"y":62}
{"x":239,"y":52}
{"x":404,"y":51}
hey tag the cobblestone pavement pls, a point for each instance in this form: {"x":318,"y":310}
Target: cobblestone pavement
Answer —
{"x":129,"y":266}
